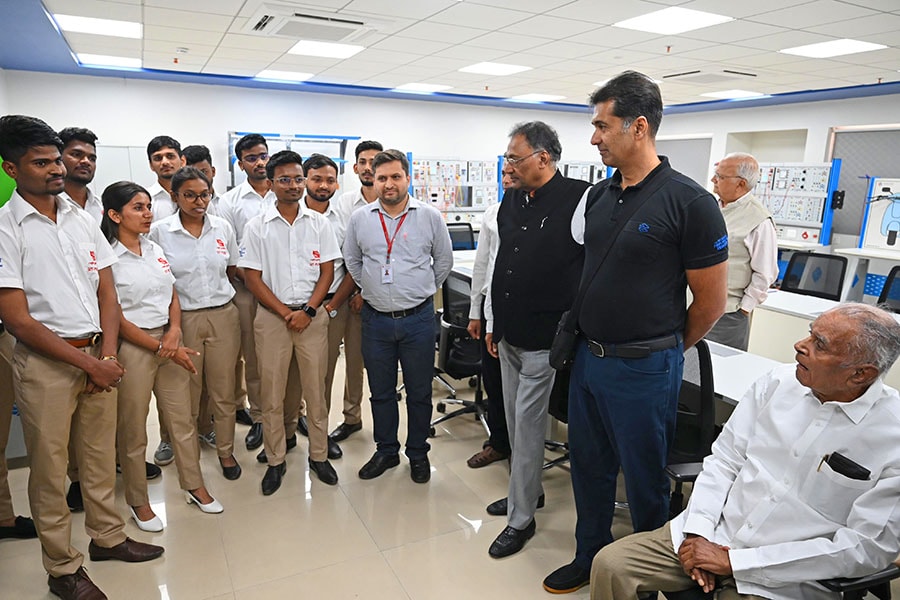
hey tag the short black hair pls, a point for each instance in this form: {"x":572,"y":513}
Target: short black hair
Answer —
{"x":115,"y":197}
{"x":185,"y":174}
{"x":539,"y":136}
{"x":368,"y":145}
{"x":19,"y":133}
{"x":196,"y":153}
{"x":160,"y":142}
{"x":318,"y":161}
{"x":247,"y":142}
{"x":388,"y":156}
{"x":634,"y":95}
{"x":79,"y":134}
{"x":285,"y":157}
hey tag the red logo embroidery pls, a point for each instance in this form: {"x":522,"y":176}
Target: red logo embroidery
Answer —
{"x":221,"y":248}
{"x":164,"y":264}
{"x":92,"y":263}
{"x":316,"y":259}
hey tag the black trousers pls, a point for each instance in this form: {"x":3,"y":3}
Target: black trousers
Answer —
{"x":493,"y":387}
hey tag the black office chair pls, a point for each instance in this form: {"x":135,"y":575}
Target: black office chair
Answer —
{"x":890,"y":293}
{"x":813,"y":274}
{"x":462,"y":236}
{"x":559,"y":410}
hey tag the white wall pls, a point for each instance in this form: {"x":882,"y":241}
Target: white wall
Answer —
{"x":3,"y":97}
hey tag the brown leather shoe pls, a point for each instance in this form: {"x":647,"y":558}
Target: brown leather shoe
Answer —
{"x":127,"y":551}
{"x":77,"y":586}
{"x":487,"y":456}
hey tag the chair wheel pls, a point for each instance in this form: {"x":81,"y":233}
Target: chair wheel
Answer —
{"x":473,"y":382}
{"x":432,"y":432}
{"x":441,"y":407}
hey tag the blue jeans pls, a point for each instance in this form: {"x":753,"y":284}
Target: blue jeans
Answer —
{"x":621,"y":413}
{"x":409,"y":340}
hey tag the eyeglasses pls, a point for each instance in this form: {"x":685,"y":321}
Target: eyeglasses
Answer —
{"x":191,"y":196}
{"x":290,"y":180}
{"x":514,"y":162}
{"x":718,"y":176}
{"x":254,"y":158}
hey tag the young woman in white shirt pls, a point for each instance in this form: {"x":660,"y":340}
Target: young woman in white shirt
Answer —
{"x":152,"y":353}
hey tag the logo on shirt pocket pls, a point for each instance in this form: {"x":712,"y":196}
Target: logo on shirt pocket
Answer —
{"x":315,"y":259}
{"x":90,"y":251}
{"x":164,"y":264}
{"x":221,"y":249}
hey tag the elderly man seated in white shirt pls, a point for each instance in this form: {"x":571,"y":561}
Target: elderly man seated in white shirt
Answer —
{"x":802,"y":484}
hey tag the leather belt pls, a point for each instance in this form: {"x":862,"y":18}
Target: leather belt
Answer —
{"x":193,"y":310}
{"x":91,"y":340}
{"x":399,"y":314}
{"x":641,"y":349}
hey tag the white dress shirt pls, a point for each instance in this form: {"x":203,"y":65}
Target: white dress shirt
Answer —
{"x":161,"y":203}
{"x":289,"y":255}
{"x":57,"y":265}
{"x":349,"y":202}
{"x":485,"y":256}
{"x":240,"y":204}
{"x":144,"y":282}
{"x":93,"y":206}
{"x":198,"y":263}
{"x":339,"y":227}
{"x":786,"y":515}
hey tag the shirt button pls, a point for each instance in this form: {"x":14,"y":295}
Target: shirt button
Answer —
{"x":620,"y":202}
{"x":749,"y":525}
{"x":506,"y":294}
{"x":787,"y":481}
{"x":524,"y":227}
{"x":516,"y":249}
{"x":796,"y":454}
{"x":509,"y":271}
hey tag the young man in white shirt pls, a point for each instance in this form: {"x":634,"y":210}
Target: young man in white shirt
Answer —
{"x":165,"y":158}
{"x":79,"y":155}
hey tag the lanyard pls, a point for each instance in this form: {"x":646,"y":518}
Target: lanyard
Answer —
{"x":390,"y":241}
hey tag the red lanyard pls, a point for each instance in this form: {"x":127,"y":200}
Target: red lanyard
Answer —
{"x":390,"y":241}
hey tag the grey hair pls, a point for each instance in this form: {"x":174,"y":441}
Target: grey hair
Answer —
{"x":877,"y":339}
{"x":539,"y":136}
{"x":747,"y":168}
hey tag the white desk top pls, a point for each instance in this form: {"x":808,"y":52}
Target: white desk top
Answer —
{"x":734,"y":371}
{"x":798,"y":305}
{"x":463,"y":261}
{"x":800,"y":245}
{"x":880,"y":253}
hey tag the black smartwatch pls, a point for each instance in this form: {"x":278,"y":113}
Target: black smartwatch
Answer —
{"x":309,"y":310}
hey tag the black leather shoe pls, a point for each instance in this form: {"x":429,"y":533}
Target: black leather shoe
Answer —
{"x":511,"y":540}
{"x":378,"y":464}
{"x":343,"y":431}
{"x":152,"y":471}
{"x":272,"y":479}
{"x":23,"y":529}
{"x":324,"y":471}
{"x":289,"y":444}
{"x":77,"y":586}
{"x":420,"y":470}
{"x":302,"y":426}
{"x":127,"y":551}
{"x":500,"y":508}
{"x":73,"y":497}
{"x":334,"y":451}
{"x":254,"y":437}
{"x":567,"y":579}
{"x":242,"y":416}
{"x":231,"y":473}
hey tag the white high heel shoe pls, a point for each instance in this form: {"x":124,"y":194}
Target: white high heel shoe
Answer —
{"x":153,"y":525}
{"x":212,"y":508}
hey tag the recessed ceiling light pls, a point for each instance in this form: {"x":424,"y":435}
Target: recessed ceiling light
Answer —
{"x":670,"y":21}
{"x":489,"y":68}
{"x":536,"y":98}
{"x":75,"y":24}
{"x":103,"y":60}
{"x":833,"y":48}
{"x":325,"y":49}
{"x":421,"y":88}
{"x":733,"y":94}
{"x":283,"y":75}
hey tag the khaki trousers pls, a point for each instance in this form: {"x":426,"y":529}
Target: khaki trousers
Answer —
{"x":276,"y":345}
{"x":7,"y":393}
{"x":54,"y":409}
{"x":247,"y":305}
{"x":645,"y":562}
{"x":346,"y":326}
{"x":214,"y":333}
{"x":146,"y":372}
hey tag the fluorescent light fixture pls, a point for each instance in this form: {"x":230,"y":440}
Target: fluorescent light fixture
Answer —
{"x":536,"y":98}
{"x":733,"y":95}
{"x":489,"y":68}
{"x":325,"y":49}
{"x":673,"y":20}
{"x":75,"y":24}
{"x":283,"y":75}
{"x":103,"y":60}
{"x":421,"y":88}
{"x":833,"y":48}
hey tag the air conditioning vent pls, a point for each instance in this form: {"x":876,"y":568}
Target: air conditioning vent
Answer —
{"x":708,"y":77}
{"x":273,"y":19}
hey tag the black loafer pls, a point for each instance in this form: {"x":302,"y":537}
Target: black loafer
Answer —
{"x":334,"y":451}
{"x":254,"y":437}
{"x":511,"y":540}
{"x":77,"y":586}
{"x":23,"y":529}
{"x":567,"y":579}
{"x":343,"y":431}
{"x":152,"y":471}
{"x":272,"y":479}
{"x":73,"y":497}
{"x":302,"y":426}
{"x":324,"y":471}
{"x":231,"y":473}
{"x":420,"y":470}
{"x":289,"y":444}
{"x":378,"y":464}
{"x":242,"y":416}
{"x":500,"y":507}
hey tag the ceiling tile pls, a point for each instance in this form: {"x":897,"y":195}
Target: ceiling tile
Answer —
{"x":788,"y":39}
{"x":862,"y":28}
{"x":612,"y":12}
{"x":441,"y":32}
{"x":554,"y":28}
{"x":612,"y":37}
{"x":741,"y":10}
{"x":186,"y":20}
{"x":217,"y":7}
{"x":532,"y":6}
{"x":734,"y":31}
{"x":182,"y":37}
{"x":226,"y":69}
{"x":168,"y":48}
{"x":503,"y":41}
{"x":814,"y":13}
{"x":98,"y":9}
{"x":258,"y":56}
{"x":479,"y":16}
{"x":439,"y":63}
{"x":411,"y":46}
{"x":103,"y":44}
{"x":565,"y":49}
{"x":412,"y":9}
{"x":257,"y":42}
{"x":471,"y":54}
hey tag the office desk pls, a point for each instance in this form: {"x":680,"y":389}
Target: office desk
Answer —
{"x":865,"y":257}
{"x":734,"y":371}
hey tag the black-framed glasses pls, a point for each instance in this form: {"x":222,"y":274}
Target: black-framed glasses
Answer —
{"x":514,"y":162}
{"x":290,"y":180}
{"x":718,"y":176}
{"x":191,"y":196}
{"x":254,"y":158}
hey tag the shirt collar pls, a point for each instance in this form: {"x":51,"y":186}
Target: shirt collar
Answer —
{"x":176,"y":225}
{"x":857,"y":409}
{"x":247,"y":190}
{"x":329,"y":210}
{"x":663,"y":165}
{"x":738,"y":201}
{"x":21,"y":208}
{"x":411,"y":205}
{"x":120,"y":249}
{"x":272,"y":213}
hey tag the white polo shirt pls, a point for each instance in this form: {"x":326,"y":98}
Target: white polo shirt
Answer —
{"x":144,"y":283}
{"x":339,"y":226}
{"x":161,"y":202}
{"x":239,"y":205}
{"x":289,"y":255}
{"x":349,"y":202}
{"x":198,"y":263}
{"x":93,"y":206}
{"x":57,"y":265}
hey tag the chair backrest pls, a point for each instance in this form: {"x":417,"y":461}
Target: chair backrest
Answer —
{"x":462,"y":236}
{"x":459,"y":355}
{"x":456,"y":295}
{"x":695,"y":424}
{"x":814,"y":274}
{"x":890,"y":293}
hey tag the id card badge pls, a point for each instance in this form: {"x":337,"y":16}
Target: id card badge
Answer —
{"x":387,"y":273}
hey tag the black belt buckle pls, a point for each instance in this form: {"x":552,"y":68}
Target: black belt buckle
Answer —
{"x":596,"y":349}
{"x":95,"y":339}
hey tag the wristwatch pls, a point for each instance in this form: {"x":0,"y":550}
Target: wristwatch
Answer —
{"x":332,"y":312}
{"x":309,"y":310}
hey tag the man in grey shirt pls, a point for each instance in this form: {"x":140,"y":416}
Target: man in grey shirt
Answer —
{"x":398,"y":251}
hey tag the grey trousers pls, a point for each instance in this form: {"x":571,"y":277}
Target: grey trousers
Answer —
{"x":527,"y":380}
{"x":732,"y":329}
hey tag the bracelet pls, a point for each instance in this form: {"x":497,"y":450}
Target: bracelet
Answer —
{"x":109,"y":357}
{"x":159,"y":348}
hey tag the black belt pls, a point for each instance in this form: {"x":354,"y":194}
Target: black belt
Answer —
{"x":399,"y":314}
{"x":640,"y":349}
{"x":327,"y":298}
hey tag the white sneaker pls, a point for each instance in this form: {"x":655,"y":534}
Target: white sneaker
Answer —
{"x":164,"y":454}
{"x":209,"y":439}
